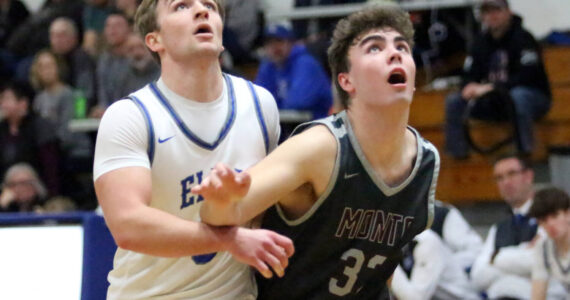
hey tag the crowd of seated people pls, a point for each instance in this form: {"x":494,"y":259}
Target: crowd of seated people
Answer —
{"x":54,"y":67}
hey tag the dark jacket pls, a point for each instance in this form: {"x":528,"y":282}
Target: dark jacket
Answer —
{"x":513,"y":60}
{"x":35,"y":144}
{"x":10,"y":19}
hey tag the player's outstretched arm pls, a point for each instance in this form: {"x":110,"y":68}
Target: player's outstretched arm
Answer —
{"x":124,"y":196}
{"x":304,"y":160}
{"x":222,"y":188}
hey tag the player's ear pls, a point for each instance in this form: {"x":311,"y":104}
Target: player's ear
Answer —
{"x":345,"y":82}
{"x":153,"y":41}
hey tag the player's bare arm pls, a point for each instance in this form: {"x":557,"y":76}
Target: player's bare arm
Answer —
{"x":124,"y":195}
{"x":295,"y":175}
{"x":538,"y":290}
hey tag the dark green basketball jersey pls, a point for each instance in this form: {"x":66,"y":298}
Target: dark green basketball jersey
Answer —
{"x":349,"y":243}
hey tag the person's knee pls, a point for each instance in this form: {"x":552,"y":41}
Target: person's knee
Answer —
{"x":519,"y":93}
{"x":522,"y":98}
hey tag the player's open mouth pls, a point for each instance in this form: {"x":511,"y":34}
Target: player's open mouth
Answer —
{"x":203,"y":28}
{"x":397,"y":76}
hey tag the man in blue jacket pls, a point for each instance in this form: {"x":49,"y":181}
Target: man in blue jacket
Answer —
{"x":292,"y":75}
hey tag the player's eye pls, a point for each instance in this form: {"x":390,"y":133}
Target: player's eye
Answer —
{"x":180,"y":6}
{"x":374,"y":49}
{"x":210,"y":5}
{"x":403,"y":47}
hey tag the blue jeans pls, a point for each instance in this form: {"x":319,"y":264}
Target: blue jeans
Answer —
{"x":530,"y":104}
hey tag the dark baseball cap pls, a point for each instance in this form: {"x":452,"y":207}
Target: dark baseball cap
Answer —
{"x":490,"y":4}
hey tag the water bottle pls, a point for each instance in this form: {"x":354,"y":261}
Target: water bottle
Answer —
{"x":80,"y":104}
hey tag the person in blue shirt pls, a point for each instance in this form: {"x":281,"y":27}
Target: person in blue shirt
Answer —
{"x":294,"y":77}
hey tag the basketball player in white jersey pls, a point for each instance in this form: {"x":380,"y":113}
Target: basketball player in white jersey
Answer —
{"x":551,"y":207}
{"x":351,"y":189}
{"x":427,"y":272}
{"x":153,"y":146}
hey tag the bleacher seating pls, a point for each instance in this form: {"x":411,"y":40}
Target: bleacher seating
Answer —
{"x":471,"y":179}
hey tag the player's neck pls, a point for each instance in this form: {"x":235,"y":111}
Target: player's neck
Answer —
{"x":200,"y":80}
{"x":563,"y":245}
{"x":385,"y":141}
{"x":381,"y":128}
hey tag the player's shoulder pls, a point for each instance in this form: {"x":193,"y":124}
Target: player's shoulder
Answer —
{"x":315,"y":142}
{"x":122,"y":113}
{"x":426,"y":144}
{"x":264,"y":96}
{"x":428,"y":150}
{"x":122,"y":106}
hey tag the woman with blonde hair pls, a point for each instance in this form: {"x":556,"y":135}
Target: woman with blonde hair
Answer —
{"x":54,"y":100}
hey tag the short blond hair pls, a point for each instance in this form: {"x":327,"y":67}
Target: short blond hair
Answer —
{"x":146,"y":22}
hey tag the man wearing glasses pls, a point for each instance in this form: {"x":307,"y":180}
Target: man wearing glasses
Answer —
{"x":503,"y":268}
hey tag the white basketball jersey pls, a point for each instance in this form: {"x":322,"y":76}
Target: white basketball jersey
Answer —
{"x":180,"y":159}
{"x":550,"y":263}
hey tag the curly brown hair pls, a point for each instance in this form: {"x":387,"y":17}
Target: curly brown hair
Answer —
{"x":350,"y":29}
{"x":145,"y":18}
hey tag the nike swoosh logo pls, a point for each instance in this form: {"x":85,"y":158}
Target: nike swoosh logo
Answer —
{"x":348,"y":176}
{"x":160,"y":141}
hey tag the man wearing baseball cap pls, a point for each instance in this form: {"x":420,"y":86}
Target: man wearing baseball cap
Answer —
{"x":294,"y":77}
{"x":494,"y":4}
{"x":505,"y":60}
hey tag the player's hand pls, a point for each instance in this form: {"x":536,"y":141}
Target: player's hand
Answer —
{"x":223,"y":185}
{"x":261,"y":249}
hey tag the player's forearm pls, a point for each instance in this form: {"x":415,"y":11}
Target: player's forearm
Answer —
{"x":221,"y":214}
{"x":154,"y":232}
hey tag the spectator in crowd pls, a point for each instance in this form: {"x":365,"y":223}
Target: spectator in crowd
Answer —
{"x":12,"y":14}
{"x":142,"y":67}
{"x":128,"y":7}
{"x":26,"y":137}
{"x":551,"y":208}
{"x":292,"y":75}
{"x":22,"y":189}
{"x":457,"y":235}
{"x":426,"y":272}
{"x":503,"y":268}
{"x":95,"y":15}
{"x":504,"y":63}
{"x":33,"y":35}
{"x":113,"y":63}
{"x":54,"y":100}
{"x":64,"y":42}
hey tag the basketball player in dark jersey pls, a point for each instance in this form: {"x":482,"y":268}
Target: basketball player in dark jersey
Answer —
{"x":351,"y":189}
